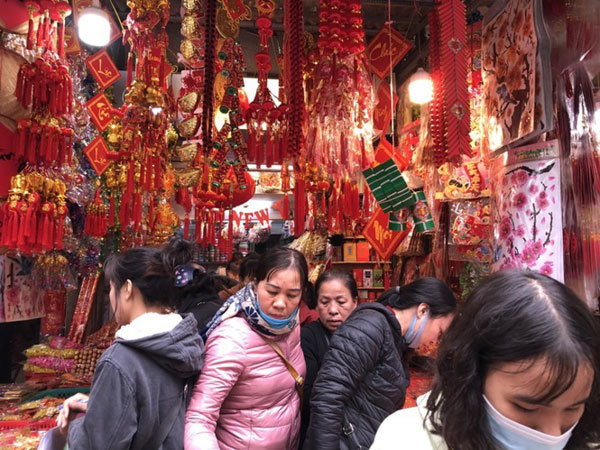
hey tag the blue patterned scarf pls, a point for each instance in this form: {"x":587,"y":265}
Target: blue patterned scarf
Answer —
{"x":246,"y":303}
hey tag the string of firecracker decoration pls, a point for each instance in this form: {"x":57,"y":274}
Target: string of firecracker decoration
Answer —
{"x":454,"y":65}
{"x":438,"y":117}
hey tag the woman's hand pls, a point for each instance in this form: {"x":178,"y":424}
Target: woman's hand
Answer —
{"x":70,"y":408}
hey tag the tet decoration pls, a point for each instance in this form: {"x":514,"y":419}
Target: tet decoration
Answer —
{"x":526,"y":204}
{"x":451,"y":123}
{"x":267,"y":123}
{"x":33,"y":218}
{"x":516,"y":62}
{"x":382,"y":239}
{"x":89,"y":285}
{"x":103,"y":69}
{"x":381,"y":57}
{"x":101,"y":111}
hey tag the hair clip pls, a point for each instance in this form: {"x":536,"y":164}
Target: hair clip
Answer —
{"x":185,"y":273}
{"x":398,"y":289}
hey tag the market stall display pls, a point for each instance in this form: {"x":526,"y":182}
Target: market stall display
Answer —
{"x":270,"y":123}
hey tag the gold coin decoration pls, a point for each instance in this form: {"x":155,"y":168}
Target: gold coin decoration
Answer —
{"x":188,"y":127}
{"x":187,"y":153}
{"x":189,"y":4}
{"x":189,"y":27}
{"x":187,"y":49}
{"x":189,"y":102}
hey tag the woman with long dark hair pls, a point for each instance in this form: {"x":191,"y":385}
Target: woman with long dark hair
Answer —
{"x":519,"y":368}
{"x":363,"y":378}
{"x":248,"y":395}
{"x":137,"y":400}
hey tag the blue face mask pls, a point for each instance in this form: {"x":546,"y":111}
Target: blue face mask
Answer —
{"x":276,"y":324}
{"x":413,"y":336}
{"x":512,"y":435}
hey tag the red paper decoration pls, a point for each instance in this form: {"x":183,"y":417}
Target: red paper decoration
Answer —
{"x":380,"y":54}
{"x":103,"y":69}
{"x":453,"y":63}
{"x":101,"y":110}
{"x":98,"y":154}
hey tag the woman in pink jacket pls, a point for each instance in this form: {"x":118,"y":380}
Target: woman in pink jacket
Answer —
{"x":247,"y":395}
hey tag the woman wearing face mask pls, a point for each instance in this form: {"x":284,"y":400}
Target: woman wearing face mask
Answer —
{"x":248,"y":396}
{"x":362,"y":378}
{"x":518,"y":369}
{"x":137,"y":399}
{"x":337,"y":297}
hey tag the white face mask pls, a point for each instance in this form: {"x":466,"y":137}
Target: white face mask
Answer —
{"x":512,"y":435}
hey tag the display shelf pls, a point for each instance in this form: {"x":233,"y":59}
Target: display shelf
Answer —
{"x":371,"y":288}
{"x":359,"y":262}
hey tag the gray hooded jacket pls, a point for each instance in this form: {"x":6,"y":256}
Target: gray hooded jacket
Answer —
{"x":137,"y":399}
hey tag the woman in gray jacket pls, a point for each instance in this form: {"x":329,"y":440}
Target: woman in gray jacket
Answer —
{"x":137,"y":400}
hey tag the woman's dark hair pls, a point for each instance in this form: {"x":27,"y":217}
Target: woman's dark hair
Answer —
{"x":281,"y":258}
{"x":335,"y":274}
{"x":513,"y":316}
{"x":429,"y":290}
{"x":248,"y":266}
{"x":233,"y":267}
{"x":152,"y":271}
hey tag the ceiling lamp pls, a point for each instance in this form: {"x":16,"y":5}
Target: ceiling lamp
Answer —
{"x":93,"y":26}
{"x":420,"y":87}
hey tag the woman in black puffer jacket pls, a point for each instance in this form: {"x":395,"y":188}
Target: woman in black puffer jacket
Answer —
{"x":363,"y":378}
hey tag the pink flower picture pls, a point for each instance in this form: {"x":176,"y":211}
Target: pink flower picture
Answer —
{"x":520,"y":200}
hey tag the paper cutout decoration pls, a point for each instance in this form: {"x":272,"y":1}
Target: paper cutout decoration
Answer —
{"x":101,"y":111}
{"x":378,"y":51}
{"x":103,"y":69}
{"x":98,"y":154}
{"x":383,"y":240}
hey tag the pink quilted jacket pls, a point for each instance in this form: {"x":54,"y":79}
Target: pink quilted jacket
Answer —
{"x":245,"y":397}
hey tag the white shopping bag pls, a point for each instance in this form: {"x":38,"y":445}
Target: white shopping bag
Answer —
{"x":53,"y":440}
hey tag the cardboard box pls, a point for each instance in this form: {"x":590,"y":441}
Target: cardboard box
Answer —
{"x":363,"y":294}
{"x":362,"y":251}
{"x":372,"y":296}
{"x":368,"y":278}
{"x":377,"y":277}
{"x":350,"y":251}
{"x":358,"y":276}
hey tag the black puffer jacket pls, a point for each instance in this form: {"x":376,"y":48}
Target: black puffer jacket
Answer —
{"x":315,"y":343}
{"x":362,"y":380}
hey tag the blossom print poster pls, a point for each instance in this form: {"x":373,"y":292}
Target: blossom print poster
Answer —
{"x":527,"y":210}
{"x":516,"y":77}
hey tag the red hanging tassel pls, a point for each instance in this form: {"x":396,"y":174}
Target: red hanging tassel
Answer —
{"x":151,"y":217}
{"x":111,"y":211}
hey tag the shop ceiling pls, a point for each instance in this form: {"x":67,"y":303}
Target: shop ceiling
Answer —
{"x":409,"y":17}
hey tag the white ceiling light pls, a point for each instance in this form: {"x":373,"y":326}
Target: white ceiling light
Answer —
{"x":93,"y":25}
{"x":420,"y":87}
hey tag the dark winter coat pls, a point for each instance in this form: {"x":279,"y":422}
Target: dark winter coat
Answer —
{"x":315,"y":343}
{"x":362,"y":380}
{"x":137,"y":397}
{"x":202,"y":307}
